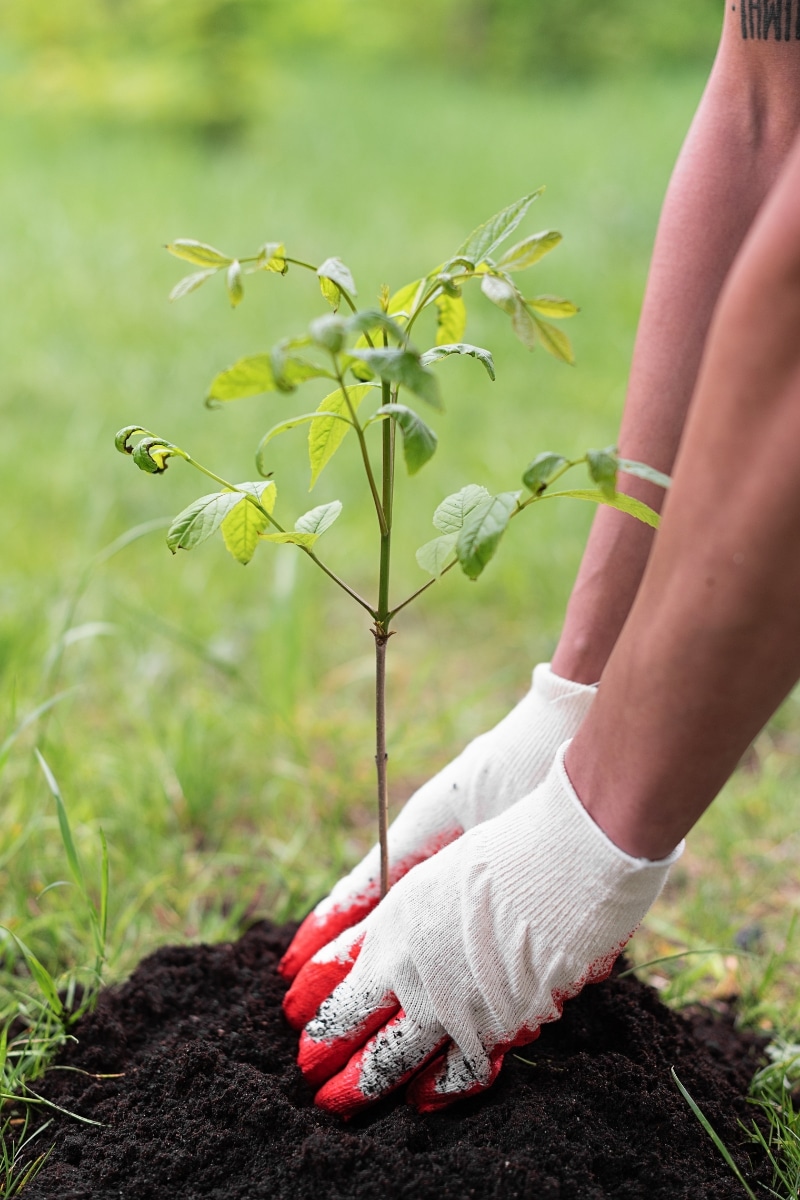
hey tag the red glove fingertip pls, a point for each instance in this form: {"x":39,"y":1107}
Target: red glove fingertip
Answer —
{"x":321,"y":1058}
{"x":314,"y":983}
{"x":315,"y":932}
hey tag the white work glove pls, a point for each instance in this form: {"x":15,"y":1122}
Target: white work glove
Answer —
{"x":470,"y":954}
{"x":494,"y":771}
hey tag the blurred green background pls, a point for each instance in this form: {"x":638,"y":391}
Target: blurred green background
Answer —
{"x":217,"y":719}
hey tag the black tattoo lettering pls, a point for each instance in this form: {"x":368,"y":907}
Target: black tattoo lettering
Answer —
{"x":764,"y":18}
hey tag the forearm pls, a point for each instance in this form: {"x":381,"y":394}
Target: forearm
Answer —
{"x":712,"y":644}
{"x":739,"y":139}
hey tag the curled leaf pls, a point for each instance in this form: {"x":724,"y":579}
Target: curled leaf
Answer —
{"x":151,"y":455}
{"x":437,"y":352}
{"x":553,"y":307}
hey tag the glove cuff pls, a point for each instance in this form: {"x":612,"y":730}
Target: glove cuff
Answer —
{"x":552,"y":688}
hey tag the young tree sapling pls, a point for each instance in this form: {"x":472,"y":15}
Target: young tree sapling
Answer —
{"x":367,"y":353}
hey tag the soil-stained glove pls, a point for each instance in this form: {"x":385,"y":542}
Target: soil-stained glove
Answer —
{"x":470,"y":954}
{"x":493,"y":772}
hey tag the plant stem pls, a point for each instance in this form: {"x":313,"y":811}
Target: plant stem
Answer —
{"x":382,"y":634}
{"x":373,"y":487}
{"x":381,"y":641}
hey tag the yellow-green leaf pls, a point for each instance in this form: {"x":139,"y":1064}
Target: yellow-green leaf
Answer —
{"x":451,"y":319}
{"x":272,"y":257}
{"x":243,"y":524}
{"x":620,"y":501}
{"x":555,"y":342}
{"x":330,"y":291}
{"x":553,"y":307}
{"x":327,"y":431}
{"x":404,"y":300}
{"x":291,"y":539}
{"x":198,"y":253}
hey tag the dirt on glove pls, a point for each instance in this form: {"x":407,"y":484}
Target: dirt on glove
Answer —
{"x":211,"y":1103}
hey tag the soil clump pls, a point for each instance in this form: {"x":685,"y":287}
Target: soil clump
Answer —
{"x":212,"y":1106}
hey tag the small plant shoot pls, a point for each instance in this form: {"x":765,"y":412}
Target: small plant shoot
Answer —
{"x":381,"y":388}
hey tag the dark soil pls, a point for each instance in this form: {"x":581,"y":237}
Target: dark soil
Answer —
{"x":212,"y":1105}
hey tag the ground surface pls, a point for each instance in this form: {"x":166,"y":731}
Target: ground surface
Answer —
{"x":212,"y":1105}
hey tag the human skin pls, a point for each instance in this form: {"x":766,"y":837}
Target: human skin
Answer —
{"x":742,"y":132}
{"x":712,"y":643}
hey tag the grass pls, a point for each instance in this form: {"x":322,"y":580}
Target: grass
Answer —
{"x":215,"y":722}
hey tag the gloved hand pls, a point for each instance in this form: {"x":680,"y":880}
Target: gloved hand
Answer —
{"x":470,"y":954}
{"x":495,"y":770}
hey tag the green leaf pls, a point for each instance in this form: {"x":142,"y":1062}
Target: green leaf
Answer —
{"x":620,"y":501}
{"x":451,"y":319}
{"x":642,"y":471}
{"x":434,"y":556}
{"x":335,"y":270}
{"x":306,"y":540}
{"x":404,"y":368}
{"x":480,"y":536}
{"x":540,"y":472}
{"x":329,"y":332}
{"x":234,"y":284}
{"x":372,"y":321}
{"x":555,"y":342}
{"x":201,"y":519}
{"x":329,"y":427}
{"x":603,"y":466}
{"x":483,"y":356}
{"x":318,"y":519}
{"x":406,"y":298}
{"x":272,"y":257}
{"x":487,"y":237}
{"x":198,"y":253}
{"x":553,"y":307}
{"x":530,"y":250}
{"x":190,"y":283}
{"x":419,"y":440}
{"x":524,"y":325}
{"x":248,"y":377}
{"x":151,"y":455}
{"x":455,"y":509}
{"x":330,"y":292}
{"x":501,"y":292}
{"x":243,"y":524}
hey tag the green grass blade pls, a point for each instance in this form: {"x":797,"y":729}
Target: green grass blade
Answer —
{"x":653,"y":962}
{"x":43,"y":978}
{"x":63,"y":822}
{"x":103,"y":893}
{"x":712,"y":1133}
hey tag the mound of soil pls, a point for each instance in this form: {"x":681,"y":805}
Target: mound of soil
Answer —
{"x":212,"y":1105}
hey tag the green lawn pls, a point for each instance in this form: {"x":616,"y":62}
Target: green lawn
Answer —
{"x":217,"y":723}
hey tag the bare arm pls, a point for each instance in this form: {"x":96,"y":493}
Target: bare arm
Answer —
{"x":712,"y":644}
{"x":740,"y":137}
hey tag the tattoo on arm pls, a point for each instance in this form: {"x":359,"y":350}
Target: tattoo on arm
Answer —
{"x":765,"y":19}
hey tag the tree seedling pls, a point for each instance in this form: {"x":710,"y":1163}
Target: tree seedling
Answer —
{"x":372,"y":367}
